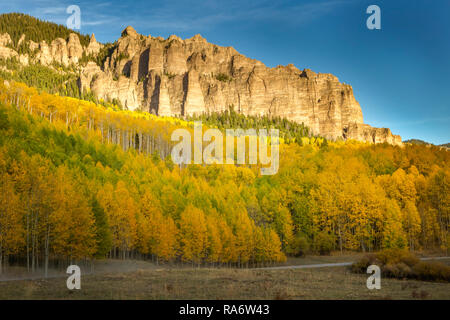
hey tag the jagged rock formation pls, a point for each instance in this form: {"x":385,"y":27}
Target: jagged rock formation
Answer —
{"x":59,"y":50}
{"x":364,"y":132}
{"x":5,"y":39}
{"x":6,"y":52}
{"x":184,"y":77}
{"x":93,"y":47}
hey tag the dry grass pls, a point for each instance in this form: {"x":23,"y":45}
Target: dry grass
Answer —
{"x":184,"y":283}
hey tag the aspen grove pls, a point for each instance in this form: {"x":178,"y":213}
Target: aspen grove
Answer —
{"x":79,"y":180}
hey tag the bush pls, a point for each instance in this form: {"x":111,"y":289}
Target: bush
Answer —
{"x":324,"y":243}
{"x":393,"y":256}
{"x":223,"y":77}
{"x":300,"y":246}
{"x":398,"y":270}
{"x":400,"y":264}
{"x":434,"y":271}
{"x":362,"y":264}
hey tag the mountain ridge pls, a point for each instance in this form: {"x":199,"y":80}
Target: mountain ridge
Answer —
{"x":175,"y":77}
{"x":422,"y":142}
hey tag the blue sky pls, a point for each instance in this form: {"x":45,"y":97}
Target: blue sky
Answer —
{"x":400,"y":74}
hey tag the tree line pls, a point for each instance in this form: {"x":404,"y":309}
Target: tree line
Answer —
{"x":17,"y":24}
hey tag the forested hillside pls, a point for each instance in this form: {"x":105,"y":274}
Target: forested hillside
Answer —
{"x":42,"y":77}
{"x":421,"y":142}
{"x":416,"y":141}
{"x":290,"y":131}
{"x":55,"y":79}
{"x":81,"y":180}
{"x":17,"y":24}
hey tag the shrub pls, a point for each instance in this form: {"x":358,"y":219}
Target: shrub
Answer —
{"x":169,"y":75}
{"x":397,"y":270}
{"x":223,"y":77}
{"x":400,"y":263}
{"x":324,"y":243}
{"x":393,"y":256}
{"x":361,"y":265}
{"x":434,"y":271}
{"x":122,"y":56}
{"x":300,"y":246}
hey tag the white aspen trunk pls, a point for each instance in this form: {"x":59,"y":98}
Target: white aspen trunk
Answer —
{"x":28,"y":241}
{"x":340,"y":238}
{"x":47,"y":240}
{"x":32,"y":253}
{"x":131,"y":140}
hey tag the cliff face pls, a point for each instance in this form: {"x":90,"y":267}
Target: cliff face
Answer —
{"x":184,"y":77}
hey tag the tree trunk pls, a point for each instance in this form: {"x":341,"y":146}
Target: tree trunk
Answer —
{"x":28,"y":241}
{"x":47,"y":240}
{"x":32,"y":249}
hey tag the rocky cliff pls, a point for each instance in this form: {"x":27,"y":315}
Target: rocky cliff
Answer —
{"x":184,"y":77}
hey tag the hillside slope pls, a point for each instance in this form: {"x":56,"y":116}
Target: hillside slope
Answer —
{"x":19,"y":24}
{"x":97,"y":182}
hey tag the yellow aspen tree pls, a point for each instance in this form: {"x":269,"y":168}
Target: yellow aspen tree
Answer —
{"x":439,"y":197}
{"x":11,"y":213}
{"x":393,"y":234}
{"x":150,"y":225}
{"x":72,"y":221}
{"x":166,"y":247}
{"x":37,"y":194}
{"x":227,"y":239}
{"x":123,"y":219}
{"x":273,"y":246}
{"x":214,"y":249}
{"x":260,"y":249}
{"x":193,"y":234}
{"x":243,"y":231}
{"x":106,"y":200}
{"x":412,"y":224}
